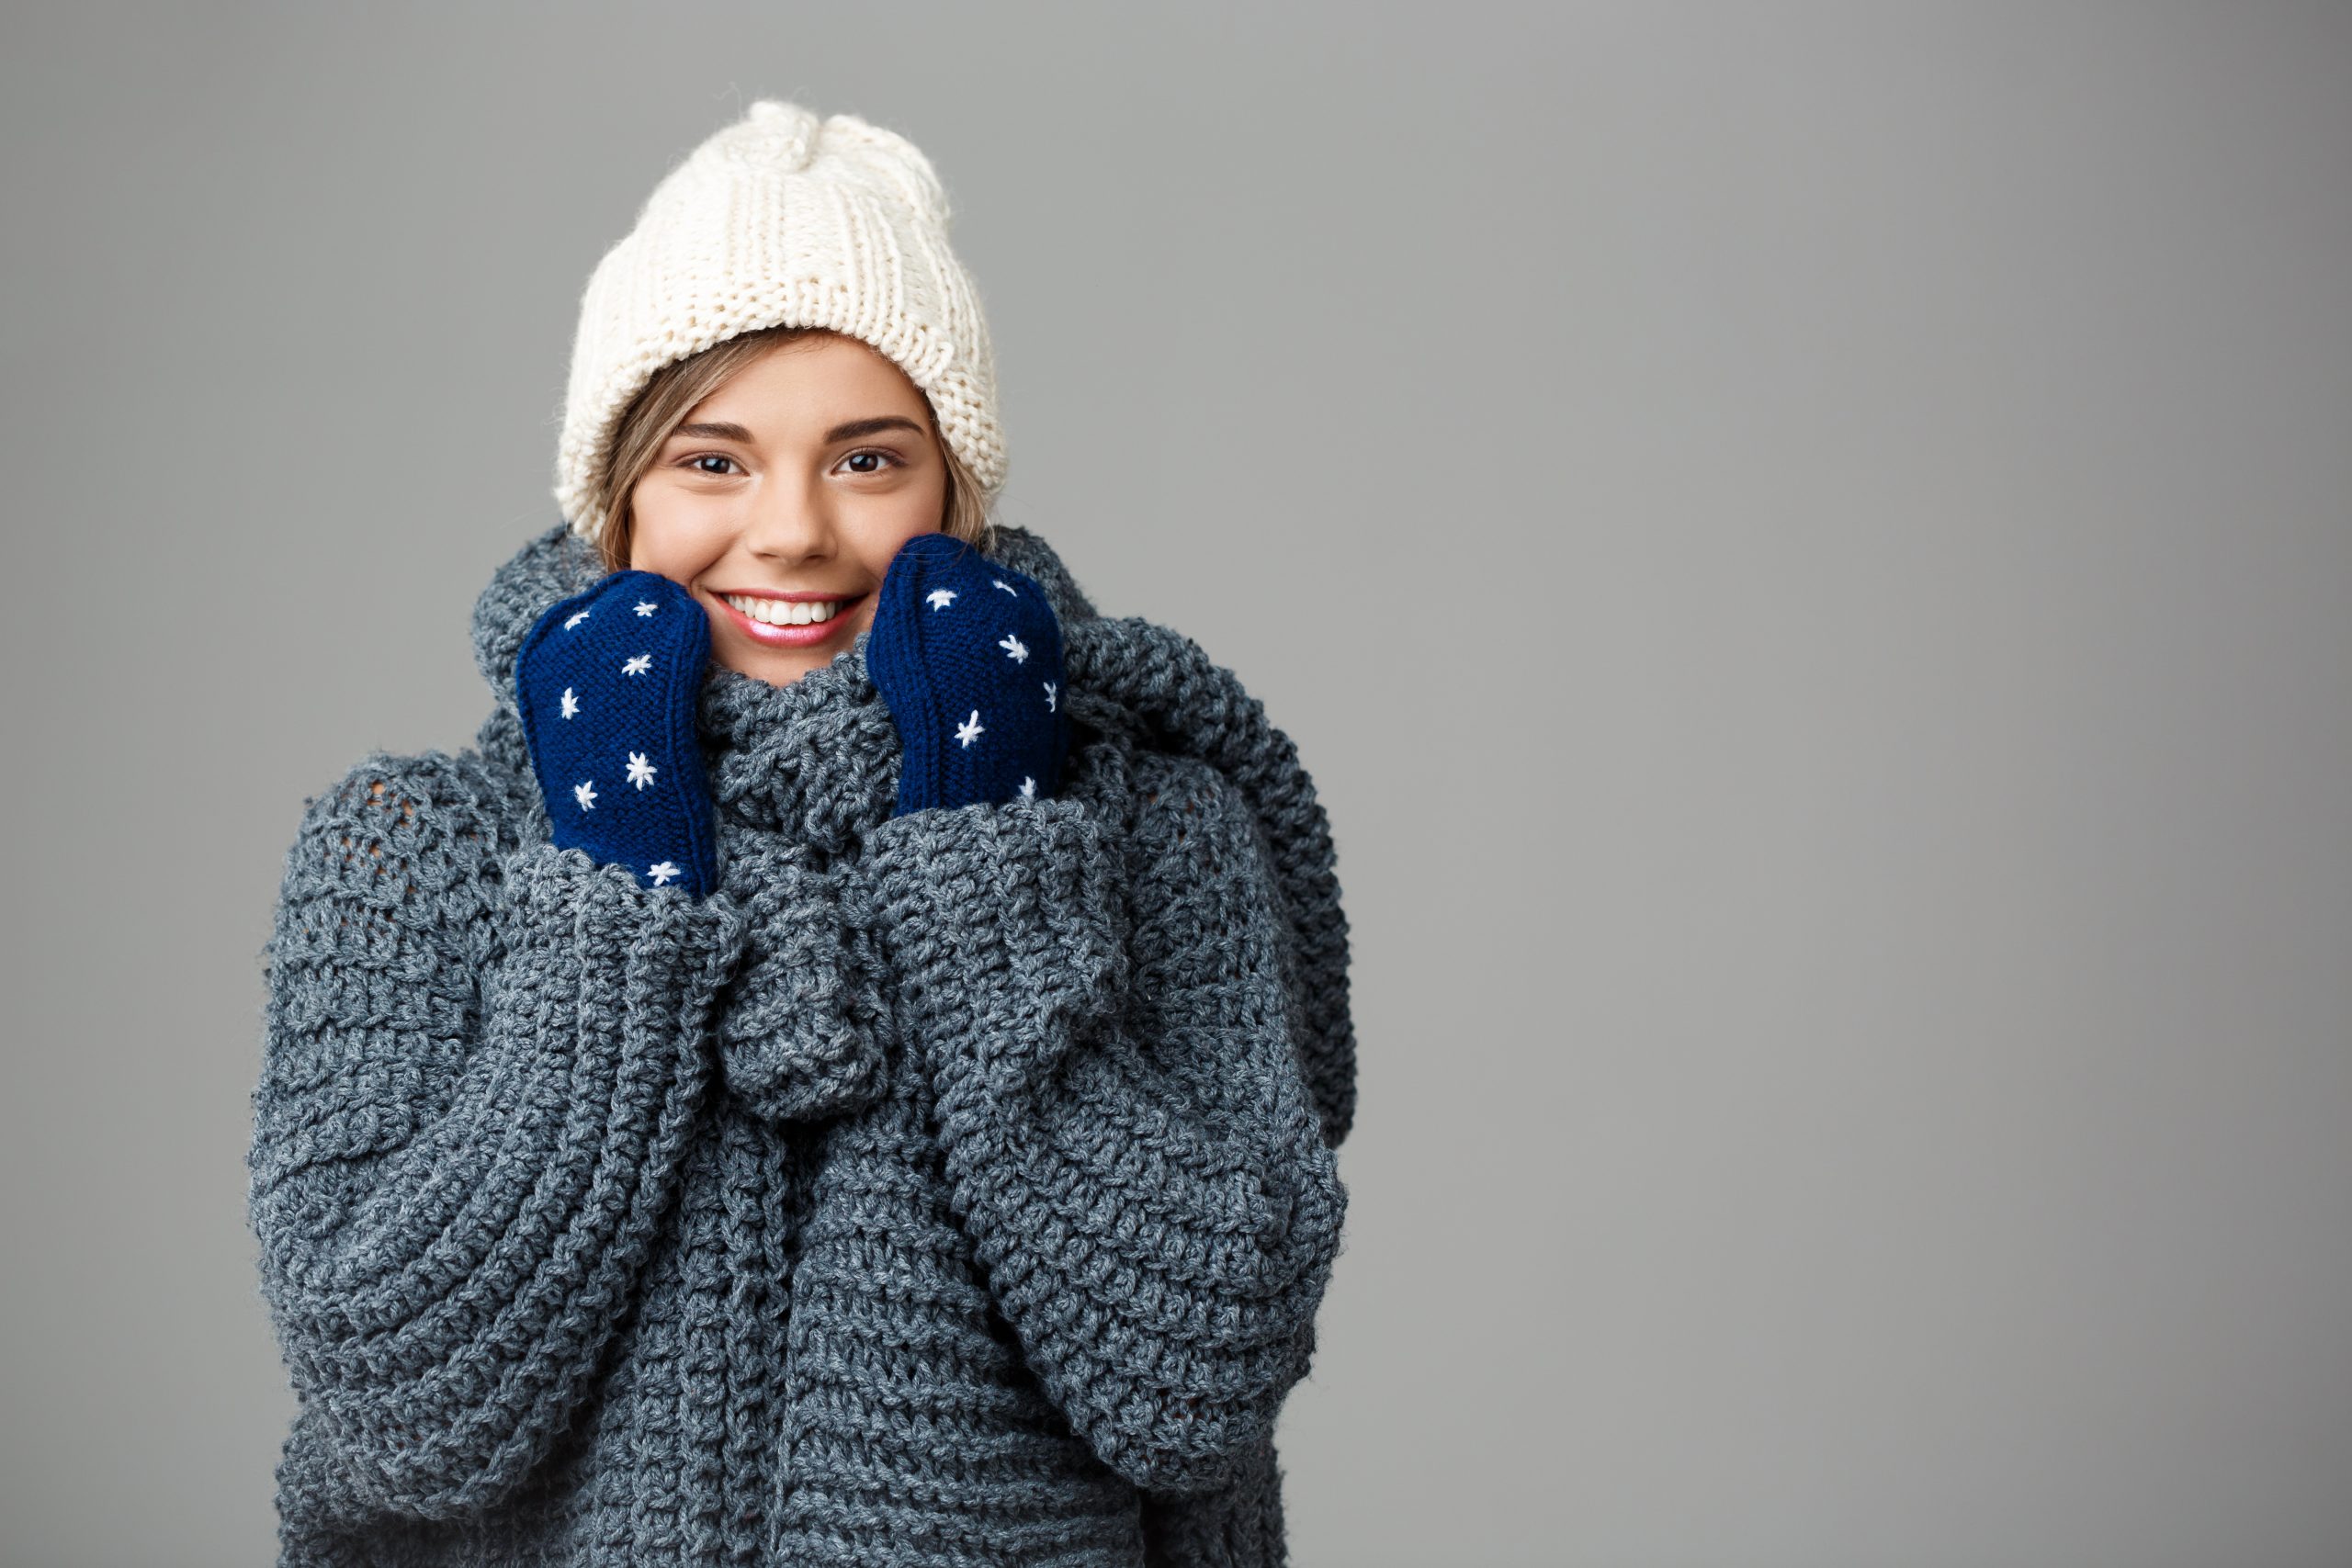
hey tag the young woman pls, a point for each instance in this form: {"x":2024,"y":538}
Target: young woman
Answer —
{"x":847,"y":1068}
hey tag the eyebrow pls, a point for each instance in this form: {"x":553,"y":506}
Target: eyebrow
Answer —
{"x":724,"y":430}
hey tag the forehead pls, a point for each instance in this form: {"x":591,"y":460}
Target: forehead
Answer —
{"x":802,"y":388}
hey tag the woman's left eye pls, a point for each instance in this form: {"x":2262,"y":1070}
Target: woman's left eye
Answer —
{"x":890,"y":457}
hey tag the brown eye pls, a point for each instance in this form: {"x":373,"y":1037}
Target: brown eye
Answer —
{"x":709,"y":457}
{"x":890,"y":458}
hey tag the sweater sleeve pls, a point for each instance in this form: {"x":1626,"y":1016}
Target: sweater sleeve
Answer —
{"x":1128,"y":1140}
{"x":479,"y":1069}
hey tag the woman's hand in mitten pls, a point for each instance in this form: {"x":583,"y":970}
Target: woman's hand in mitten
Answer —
{"x":610,"y":683}
{"x":968,"y":656}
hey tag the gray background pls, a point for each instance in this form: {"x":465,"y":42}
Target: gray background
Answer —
{"x":1807,"y":547}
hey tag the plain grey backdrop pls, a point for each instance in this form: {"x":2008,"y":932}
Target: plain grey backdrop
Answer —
{"x":1808,"y":548}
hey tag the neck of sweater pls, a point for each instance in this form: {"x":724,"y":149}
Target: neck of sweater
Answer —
{"x":817,"y":759}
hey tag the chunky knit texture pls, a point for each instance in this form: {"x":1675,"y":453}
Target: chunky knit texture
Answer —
{"x":783,"y":219}
{"x":955,"y":1188}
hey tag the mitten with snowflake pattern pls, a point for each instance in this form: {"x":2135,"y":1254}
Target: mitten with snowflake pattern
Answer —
{"x":609,"y":682}
{"x":968,"y":656}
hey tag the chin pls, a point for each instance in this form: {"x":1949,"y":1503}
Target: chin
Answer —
{"x":780,"y":670}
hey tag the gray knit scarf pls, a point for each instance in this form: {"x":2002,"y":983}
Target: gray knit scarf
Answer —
{"x":799,"y":773}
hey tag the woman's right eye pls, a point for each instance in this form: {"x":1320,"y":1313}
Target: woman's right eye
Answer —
{"x":708,"y":458}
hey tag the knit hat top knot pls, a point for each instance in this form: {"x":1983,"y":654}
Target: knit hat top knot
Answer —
{"x":781,"y":134}
{"x":783,"y":219}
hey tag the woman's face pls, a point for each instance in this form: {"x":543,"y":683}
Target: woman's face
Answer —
{"x":792,"y":484}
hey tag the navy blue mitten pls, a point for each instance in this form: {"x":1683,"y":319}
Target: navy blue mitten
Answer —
{"x":609,"y":682}
{"x":968,"y":656}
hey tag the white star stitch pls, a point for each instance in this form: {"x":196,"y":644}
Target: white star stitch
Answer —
{"x":646,"y":606}
{"x":638,"y":665}
{"x":641,"y":771}
{"x":575,"y":620}
{"x":1006,"y":586}
{"x":969,"y":729}
{"x":662,"y":871}
{"x":940,"y":597}
{"x":1011,"y":645}
{"x":1049,"y":696}
{"x":586,"y":794}
{"x":571,"y":703}
{"x":1028,"y":788}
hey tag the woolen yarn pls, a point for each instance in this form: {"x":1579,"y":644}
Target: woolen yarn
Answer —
{"x":783,"y":219}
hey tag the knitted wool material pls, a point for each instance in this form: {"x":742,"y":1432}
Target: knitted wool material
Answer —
{"x":954,"y":1188}
{"x":957,"y":639}
{"x":607,"y":689}
{"x":783,"y":219}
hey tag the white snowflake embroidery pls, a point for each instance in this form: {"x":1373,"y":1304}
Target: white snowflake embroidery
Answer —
{"x":662,"y":872}
{"x":586,"y":794}
{"x":575,"y":620}
{"x":1011,"y":645}
{"x":1007,"y":587}
{"x":638,"y":665}
{"x":646,"y":606}
{"x":641,"y":771}
{"x":1028,"y":788}
{"x":1049,"y":696}
{"x":940,"y":597}
{"x":571,"y":703}
{"x":969,"y":729}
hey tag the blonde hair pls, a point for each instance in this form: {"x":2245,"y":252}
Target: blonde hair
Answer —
{"x":673,"y":392}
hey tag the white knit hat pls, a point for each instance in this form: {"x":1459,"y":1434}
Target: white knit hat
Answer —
{"x":781,"y":219}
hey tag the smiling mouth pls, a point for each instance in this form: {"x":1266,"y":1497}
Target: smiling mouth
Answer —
{"x":805,"y":624}
{"x":787,"y":611}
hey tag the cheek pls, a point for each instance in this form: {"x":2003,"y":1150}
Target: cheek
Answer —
{"x":879,"y":547}
{"x":667,"y":538}
{"x":645,"y":551}
{"x":895,"y":518}
{"x":680,"y":559}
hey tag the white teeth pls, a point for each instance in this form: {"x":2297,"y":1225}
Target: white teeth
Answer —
{"x":785,"y":613}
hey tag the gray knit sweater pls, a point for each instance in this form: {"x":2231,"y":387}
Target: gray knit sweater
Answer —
{"x":956,"y":1189}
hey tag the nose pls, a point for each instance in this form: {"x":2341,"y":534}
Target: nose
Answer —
{"x":788,"y":523}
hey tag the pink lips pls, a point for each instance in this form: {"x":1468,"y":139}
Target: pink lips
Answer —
{"x":791,"y":637}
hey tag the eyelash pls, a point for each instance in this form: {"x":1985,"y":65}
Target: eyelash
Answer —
{"x":892,"y":457}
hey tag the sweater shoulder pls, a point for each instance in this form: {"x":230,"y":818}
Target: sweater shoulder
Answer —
{"x":1185,"y":810}
{"x":449,"y":792}
{"x":440,"y":817}
{"x":1168,"y":784}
